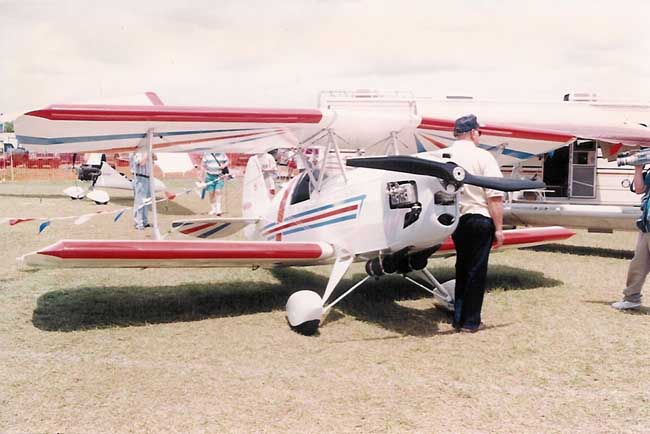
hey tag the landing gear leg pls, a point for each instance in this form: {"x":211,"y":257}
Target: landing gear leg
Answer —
{"x":443,"y":292}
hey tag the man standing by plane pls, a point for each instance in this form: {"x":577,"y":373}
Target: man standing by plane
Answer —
{"x":480,"y":225}
{"x":640,"y":264}
{"x":141,"y":188}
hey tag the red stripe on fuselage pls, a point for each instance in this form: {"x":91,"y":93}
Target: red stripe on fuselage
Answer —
{"x":176,"y":114}
{"x":283,"y":202}
{"x":312,"y":218}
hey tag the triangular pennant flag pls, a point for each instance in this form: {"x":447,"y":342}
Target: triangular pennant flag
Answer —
{"x":16,"y":221}
{"x":43,"y":225}
{"x":83,"y":219}
{"x":169,"y":195}
{"x":118,"y":215}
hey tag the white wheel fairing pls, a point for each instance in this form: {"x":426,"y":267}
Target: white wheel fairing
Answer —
{"x":304,"y":308}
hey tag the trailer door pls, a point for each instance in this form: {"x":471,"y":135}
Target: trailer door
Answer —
{"x":582,"y":173}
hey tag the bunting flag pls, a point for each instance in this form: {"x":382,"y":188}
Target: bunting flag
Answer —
{"x":13,"y":222}
{"x":81,"y":219}
{"x":118,"y":215}
{"x":43,"y":225}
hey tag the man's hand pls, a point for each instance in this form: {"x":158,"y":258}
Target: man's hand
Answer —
{"x":498,"y":239}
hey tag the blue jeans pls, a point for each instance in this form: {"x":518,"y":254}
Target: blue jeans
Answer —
{"x":141,"y":192}
{"x":473,"y":240}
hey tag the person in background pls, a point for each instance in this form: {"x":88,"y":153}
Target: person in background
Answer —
{"x":214,"y":167}
{"x":269,"y":170}
{"x":141,"y":188}
{"x":480,"y":225}
{"x":640,"y":263}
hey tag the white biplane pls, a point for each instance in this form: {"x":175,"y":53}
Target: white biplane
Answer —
{"x":392,"y":211}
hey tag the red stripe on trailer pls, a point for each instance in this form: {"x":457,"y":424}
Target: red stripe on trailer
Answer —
{"x":181,"y":250}
{"x":176,"y":114}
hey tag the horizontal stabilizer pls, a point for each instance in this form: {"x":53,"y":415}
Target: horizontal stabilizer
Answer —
{"x":177,"y":253}
{"x":208,"y":228}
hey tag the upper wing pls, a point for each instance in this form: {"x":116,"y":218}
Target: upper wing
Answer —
{"x":94,"y":128}
{"x":514,"y":144}
{"x":177,"y":253}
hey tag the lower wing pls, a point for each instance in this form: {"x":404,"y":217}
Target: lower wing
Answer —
{"x":177,"y":253}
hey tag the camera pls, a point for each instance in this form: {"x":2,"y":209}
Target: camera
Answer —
{"x":641,"y":158}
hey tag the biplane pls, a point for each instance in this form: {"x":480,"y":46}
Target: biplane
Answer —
{"x":390,"y":207}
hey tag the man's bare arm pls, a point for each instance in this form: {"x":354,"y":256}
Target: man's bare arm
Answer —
{"x":495,"y":208}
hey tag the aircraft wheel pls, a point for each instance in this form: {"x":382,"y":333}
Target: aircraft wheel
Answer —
{"x":450,"y":287}
{"x":304,"y":312}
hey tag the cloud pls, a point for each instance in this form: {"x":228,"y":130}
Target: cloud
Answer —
{"x":283,"y":53}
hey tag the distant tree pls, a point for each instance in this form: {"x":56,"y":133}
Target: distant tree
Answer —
{"x":9,"y":127}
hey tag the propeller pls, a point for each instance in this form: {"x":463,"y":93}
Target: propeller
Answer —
{"x":449,"y":172}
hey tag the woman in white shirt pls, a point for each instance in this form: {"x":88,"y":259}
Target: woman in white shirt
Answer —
{"x":214,"y":168}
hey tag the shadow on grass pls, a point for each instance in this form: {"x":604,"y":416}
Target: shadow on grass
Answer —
{"x":584,"y":251}
{"x":375,"y":301}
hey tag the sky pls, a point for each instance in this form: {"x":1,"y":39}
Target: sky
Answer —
{"x":283,"y":53}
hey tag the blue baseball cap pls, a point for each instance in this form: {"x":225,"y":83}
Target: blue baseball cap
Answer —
{"x":465,"y":124}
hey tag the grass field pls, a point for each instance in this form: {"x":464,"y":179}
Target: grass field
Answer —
{"x":184,"y":351}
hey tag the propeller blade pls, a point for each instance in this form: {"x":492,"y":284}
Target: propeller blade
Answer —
{"x":413,"y":165}
{"x":448,"y":171}
{"x":503,"y":184}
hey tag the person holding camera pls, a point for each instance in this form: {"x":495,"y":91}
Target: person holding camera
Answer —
{"x":214,"y":169}
{"x":640,"y":264}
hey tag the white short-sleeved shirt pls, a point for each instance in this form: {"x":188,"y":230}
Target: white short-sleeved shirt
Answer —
{"x":138,"y":164}
{"x":477,"y":161}
{"x":214,"y":162}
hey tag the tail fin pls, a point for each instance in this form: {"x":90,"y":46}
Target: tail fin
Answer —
{"x":255,"y":196}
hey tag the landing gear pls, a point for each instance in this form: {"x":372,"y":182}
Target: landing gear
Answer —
{"x":304,"y":312}
{"x":444,"y":293}
{"x":305,"y":309}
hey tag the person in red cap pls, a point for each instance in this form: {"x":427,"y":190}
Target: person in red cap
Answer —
{"x":479,"y":227}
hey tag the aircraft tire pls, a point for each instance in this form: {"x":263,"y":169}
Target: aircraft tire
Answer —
{"x":308,"y":328}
